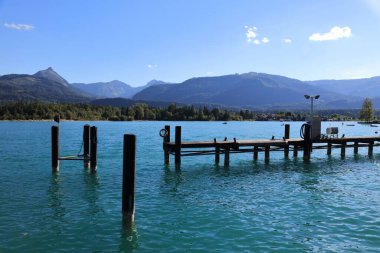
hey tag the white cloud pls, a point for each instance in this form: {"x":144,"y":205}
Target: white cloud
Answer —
{"x":251,"y":33}
{"x":19,"y":26}
{"x":335,"y":33}
{"x":152,"y":66}
{"x":287,"y":40}
{"x":253,"y":37}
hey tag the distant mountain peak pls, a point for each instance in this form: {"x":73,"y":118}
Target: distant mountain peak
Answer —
{"x":51,"y":75}
{"x":154,"y":82}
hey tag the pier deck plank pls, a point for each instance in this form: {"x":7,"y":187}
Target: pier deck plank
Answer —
{"x":270,"y":142}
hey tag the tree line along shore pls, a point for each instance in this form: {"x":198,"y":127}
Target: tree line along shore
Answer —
{"x":47,"y":111}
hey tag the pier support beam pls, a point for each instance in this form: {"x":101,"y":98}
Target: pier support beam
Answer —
{"x":343,"y":150}
{"x":86,"y":146}
{"x":93,"y":148}
{"x":177,"y":159}
{"x":166,"y":139}
{"x":55,"y":148}
{"x":295,"y":150}
{"x":129,"y":177}
{"x":307,"y":142}
{"x":356,"y":147}
{"x":329,"y":147}
{"x":217,"y":153}
{"x":286,"y":136}
{"x":255,"y":153}
{"x":267,"y":148}
{"x":227,"y":156}
{"x":370,"y":149}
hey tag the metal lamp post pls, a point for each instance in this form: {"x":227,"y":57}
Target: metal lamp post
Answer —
{"x":312,"y":103}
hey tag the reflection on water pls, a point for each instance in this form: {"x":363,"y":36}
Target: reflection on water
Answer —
{"x":128,"y":236}
{"x":55,"y":197}
{"x":91,"y":193}
{"x":173,"y":179}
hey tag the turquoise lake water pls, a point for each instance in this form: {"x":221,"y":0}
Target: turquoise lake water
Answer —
{"x":287,"y":205}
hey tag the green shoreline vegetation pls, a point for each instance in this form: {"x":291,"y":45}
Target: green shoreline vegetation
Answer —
{"x":46,"y":111}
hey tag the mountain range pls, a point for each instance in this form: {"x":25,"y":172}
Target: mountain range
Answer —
{"x":45,"y":85}
{"x":241,"y":91}
{"x":112,"y":89}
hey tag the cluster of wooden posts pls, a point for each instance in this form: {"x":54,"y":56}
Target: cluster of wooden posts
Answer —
{"x":90,"y":148}
{"x":285,"y":145}
{"x":89,"y":157}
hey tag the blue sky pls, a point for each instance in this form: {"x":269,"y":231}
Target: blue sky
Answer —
{"x":135,"y":41}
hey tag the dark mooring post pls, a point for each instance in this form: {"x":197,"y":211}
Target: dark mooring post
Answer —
{"x":356,"y":147}
{"x":343,"y":150}
{"x":295,"y":150}
{"x":86,"y":146}
{"x":267,"y":149}
{"x":329,"y":147}
{"x":227,"y":156}
{"x":129,"y":177}
{"x":255,"y":153}
{"x":287,"y":136}
{"x":177,"y":159}
{"x":93,"y":148}
{"x":370,"y":148}
{"x":307,"y":143}
{"x":217,"y":152}
{"x":166,"y":139}
{"x":55,"y":148}
{"x":287,"y":131}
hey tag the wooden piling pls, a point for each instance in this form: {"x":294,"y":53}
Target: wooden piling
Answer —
{"x":255,"y":152}
{"x":55,"y":148}
{"x":286,"y":136}
{"x":370,"y":148}
{"x":86,"y":146}
{"x":356,"y":147}
{"x":307,"y":142}
{"x":217,"y":152}
{"x":129,"y":177}
{"x":166,"y":139}
{"x":177,"y":159}
{"x":287,"y":131}
{"x":295,"y":150}
{"x":329,"y":147}
{"x":343,"y":150}
{"x":227,"y":156}
{"x":217,"y":155}
{"x":267,"y":148}
{"x":93,"y":148}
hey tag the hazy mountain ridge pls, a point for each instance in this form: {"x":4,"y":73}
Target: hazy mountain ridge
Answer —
{"x":365,"y":87}
{"x":113,"y":89}
{"x":248,"y":91}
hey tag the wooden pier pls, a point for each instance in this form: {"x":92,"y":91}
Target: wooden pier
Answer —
{"x":286,"y":144}
{"x":89,"y":145}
